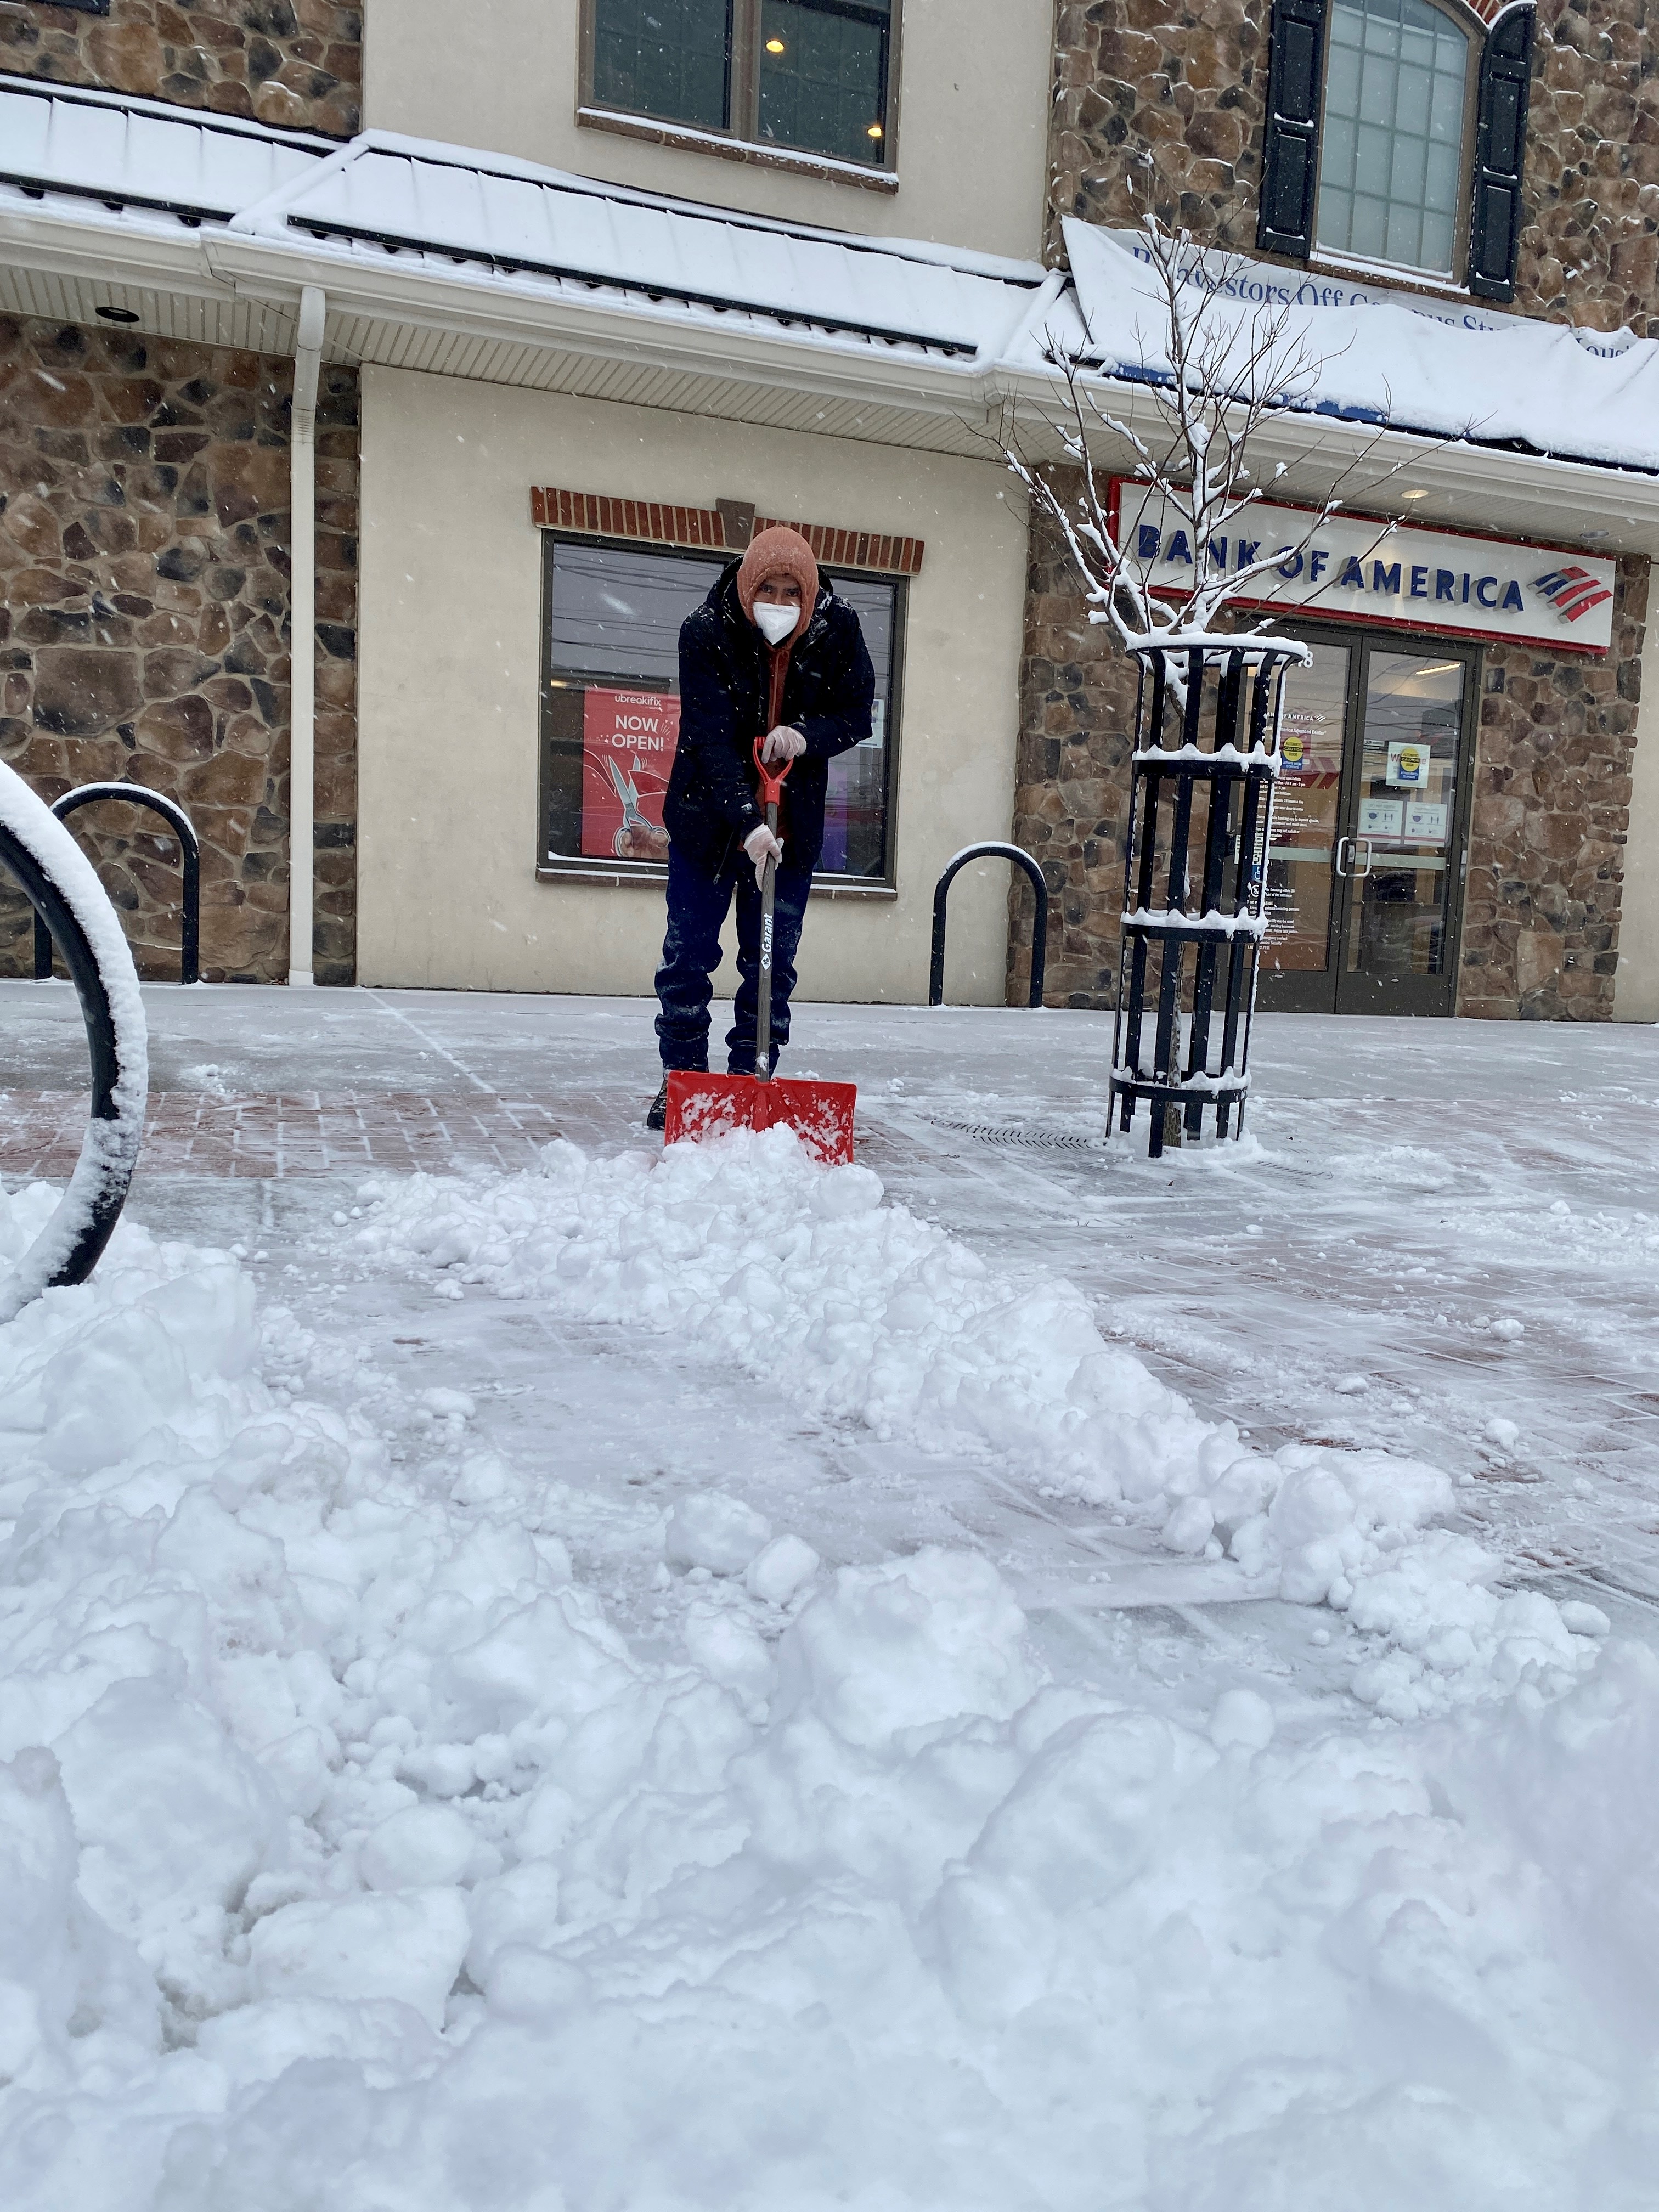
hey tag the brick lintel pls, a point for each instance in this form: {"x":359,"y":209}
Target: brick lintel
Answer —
{"x":590,"y":514}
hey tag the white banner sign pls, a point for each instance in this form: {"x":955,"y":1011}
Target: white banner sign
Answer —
{"x":1355,"y":568}
{"x":1260,"y":284}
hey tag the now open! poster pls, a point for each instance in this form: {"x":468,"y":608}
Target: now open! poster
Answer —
{"x":628,"y":749}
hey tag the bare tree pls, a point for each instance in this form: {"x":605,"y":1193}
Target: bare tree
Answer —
{"x":1225,"y":372}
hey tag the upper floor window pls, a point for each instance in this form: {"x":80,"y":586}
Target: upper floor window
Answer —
{"x":1391,"y":163}
{"x":812,"y":75}
{"x":1395,"y":133}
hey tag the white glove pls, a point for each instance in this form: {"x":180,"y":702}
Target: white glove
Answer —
{"x":762,"y":846}
{"x":783,"y":744}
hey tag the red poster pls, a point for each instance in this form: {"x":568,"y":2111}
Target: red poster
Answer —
{"x":628,"y":749}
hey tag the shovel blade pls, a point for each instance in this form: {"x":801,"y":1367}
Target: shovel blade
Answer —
{"x":820,"y":1114}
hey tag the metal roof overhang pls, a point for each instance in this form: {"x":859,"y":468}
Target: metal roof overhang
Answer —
{"x":428,"y":311}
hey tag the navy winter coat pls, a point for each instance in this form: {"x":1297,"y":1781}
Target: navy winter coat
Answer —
{"x":725,"y":678}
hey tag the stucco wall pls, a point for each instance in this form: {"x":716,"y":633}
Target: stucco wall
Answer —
{"x":451,"y":587}
{"x":972,"y":126}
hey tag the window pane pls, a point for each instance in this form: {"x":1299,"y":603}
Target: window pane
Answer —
{"x":612,"y":716}
{"x":1391,"y":147}
{"x":667,"y":58}
{"x":1408,"y":772}
{"x":855,"y":812}
{"x":824,"y":76}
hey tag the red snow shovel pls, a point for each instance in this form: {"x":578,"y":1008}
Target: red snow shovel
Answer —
{"x":820,"y":1114}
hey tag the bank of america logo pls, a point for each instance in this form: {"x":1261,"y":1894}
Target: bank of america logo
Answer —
{"x":1571,"y":591}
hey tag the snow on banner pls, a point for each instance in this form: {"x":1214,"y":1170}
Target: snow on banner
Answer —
{"x":1387,"y":575}
{"x":628,"y":749}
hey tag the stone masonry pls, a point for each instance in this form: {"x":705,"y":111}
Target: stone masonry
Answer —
{"x":1547,"y":825}
{"x":297,"y":63}
{"x":144,"y":563}
{"x":1153,"y":99}
{"x":1547,"y":829}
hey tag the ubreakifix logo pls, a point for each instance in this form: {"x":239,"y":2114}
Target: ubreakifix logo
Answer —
{"x":1571,"y":591}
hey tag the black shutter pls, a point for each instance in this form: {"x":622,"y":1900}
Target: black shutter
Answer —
{"x":1289,"y":149}
{"x":1500,"y":145}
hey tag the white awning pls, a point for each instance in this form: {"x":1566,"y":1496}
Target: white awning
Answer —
{"x":407,"y":195}
{"x":128,"y":153}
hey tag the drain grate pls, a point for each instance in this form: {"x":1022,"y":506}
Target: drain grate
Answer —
{"x":1031,"y":1135}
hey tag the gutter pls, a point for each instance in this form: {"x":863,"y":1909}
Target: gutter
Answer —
{"x":303,"y":635}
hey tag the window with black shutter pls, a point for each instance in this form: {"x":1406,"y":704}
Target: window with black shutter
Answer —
{"x":1294,"y":83}
{"x":1395,"y":136}
{"x":1500,"y":143}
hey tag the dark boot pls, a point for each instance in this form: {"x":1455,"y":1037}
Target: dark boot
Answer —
{"x":658,"y":1114}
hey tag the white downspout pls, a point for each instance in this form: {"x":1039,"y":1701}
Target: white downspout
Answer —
{"x":302,"y":627}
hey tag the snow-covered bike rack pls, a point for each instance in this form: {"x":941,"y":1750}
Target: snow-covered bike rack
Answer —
{"x":59,"y":882}
{"x":189,"y":854}
{"x":1039,"y":920}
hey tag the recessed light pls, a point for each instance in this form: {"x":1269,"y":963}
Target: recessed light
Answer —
{"x":1413,"y":494}
{"x":117,"y":315}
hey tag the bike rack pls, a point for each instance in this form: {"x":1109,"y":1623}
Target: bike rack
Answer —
{"x":1039,"y":920}
{"x":58,"y":882}
{"x":137,"y":794}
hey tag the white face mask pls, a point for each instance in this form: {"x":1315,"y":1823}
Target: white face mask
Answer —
{"x":774,"y":624}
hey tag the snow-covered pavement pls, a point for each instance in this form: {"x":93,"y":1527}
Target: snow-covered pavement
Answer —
{"x":1010,"y":1675}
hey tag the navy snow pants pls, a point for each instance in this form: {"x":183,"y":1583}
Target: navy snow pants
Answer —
{"x":698,"y":904}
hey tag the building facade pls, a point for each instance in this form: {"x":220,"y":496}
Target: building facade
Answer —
{"x":615,"y":284}
{"x":1479,"y":164}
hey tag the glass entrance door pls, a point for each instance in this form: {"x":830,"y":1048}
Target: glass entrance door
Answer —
{"x":1364,"y":871}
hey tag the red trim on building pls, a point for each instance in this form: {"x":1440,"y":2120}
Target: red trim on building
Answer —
{"x":589,"y":514}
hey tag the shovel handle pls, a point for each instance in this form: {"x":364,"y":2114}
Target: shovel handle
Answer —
{"x":771,"y":791}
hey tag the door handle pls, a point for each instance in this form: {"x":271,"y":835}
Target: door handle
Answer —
{"x":1342,"y":845}
{"x":1366,"y":870}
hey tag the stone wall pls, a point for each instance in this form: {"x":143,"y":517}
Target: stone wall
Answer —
{"x":1072,"y":777}
{"x":292,"y":62}
{"x":1155,"y":100}
{"x":144,"y":543}
{"x":1547,"y":827}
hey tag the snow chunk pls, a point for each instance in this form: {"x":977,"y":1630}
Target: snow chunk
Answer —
{"x":709,"y":1530}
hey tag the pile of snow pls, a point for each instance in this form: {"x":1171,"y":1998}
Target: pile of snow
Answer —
{"x":354,"y":1860}
{"x":860,"y":1311}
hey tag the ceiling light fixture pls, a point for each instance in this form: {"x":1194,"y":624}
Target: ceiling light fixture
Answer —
{"x":874,"y":130}
{"x":774,"y":46}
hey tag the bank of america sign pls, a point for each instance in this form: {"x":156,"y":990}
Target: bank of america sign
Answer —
{"x":1355,"y":568}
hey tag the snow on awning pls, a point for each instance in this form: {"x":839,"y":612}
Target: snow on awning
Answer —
{"x":141,"y":154}
{"x":1546,"y":388}
{"x":413,"y":196}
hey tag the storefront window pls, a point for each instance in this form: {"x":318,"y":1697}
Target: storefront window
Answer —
{"x":1391,"y":160}
{"x":610,"y":716}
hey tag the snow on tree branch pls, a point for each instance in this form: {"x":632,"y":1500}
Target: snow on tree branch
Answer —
{"x":1216,"y":379}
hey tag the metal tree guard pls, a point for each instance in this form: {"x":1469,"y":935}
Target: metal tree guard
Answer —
{"x":138,"y":794}
{"x":1200,"y":817}
{"x":1039,"y":920}
{"x":58,"y":882}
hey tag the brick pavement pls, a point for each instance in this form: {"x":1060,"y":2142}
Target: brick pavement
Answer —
{"x":274,"y":1136}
